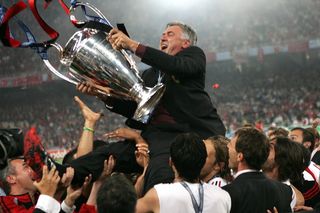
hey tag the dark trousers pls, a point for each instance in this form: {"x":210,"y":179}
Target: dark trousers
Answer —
{"x":93,"y":162}
{"x":159,"y":139}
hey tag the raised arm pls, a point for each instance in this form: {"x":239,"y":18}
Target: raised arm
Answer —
{"x":90,"y":119}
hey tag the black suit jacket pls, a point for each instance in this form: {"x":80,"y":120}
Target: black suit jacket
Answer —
{"x":184,"y":98}
{"x":253,"y":192}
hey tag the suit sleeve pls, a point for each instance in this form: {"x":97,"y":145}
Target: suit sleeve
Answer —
{"x":187,"y":63}
{"x":125,"y":108}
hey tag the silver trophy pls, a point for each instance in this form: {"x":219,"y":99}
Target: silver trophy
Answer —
{"x":91,"y":58}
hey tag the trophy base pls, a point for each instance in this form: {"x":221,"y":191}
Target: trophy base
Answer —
{"x":148,"y":103}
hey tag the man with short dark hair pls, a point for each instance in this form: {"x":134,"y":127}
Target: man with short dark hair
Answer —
{"x":310,"y":185}
{"x":116,"y":194}
{"x":308,"y":138}
{"x":286,"y":162}
{"x":187,"y":194}
{"x":301,"y":135}
{"x":251,"y":191}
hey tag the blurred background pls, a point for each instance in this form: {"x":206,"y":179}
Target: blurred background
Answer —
{"x":263,"y":63}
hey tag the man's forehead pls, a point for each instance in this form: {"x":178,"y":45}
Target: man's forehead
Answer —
{"x":296,"y":132}
{"x":17,"y":160}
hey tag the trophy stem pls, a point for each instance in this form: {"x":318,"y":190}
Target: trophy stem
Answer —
{"x":147,"y":99}
{"x":137,"y":92}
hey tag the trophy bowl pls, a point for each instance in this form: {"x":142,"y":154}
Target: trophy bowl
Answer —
{"x":90,"y":58}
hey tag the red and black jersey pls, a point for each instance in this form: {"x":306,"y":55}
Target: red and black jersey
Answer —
{"x":17,"y":203}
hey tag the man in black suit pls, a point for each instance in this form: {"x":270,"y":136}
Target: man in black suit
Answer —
{"x":184,"y":107}
{"x":251,"y":190}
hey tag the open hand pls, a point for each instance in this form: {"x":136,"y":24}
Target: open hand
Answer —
{"x":123,"y":133}
{"x":108,"y":168}
{"x":67,"y":177}
{"x":142,"y":154}
{"x":74,"y":193}
{"x":49,"y":181}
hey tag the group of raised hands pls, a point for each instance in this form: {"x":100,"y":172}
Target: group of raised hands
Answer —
{"x":54,"y":186}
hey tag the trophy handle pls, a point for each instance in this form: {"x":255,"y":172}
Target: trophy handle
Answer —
{"x":73,"y":19}
{"x":54,"y":70}
{"x":93,"y":8}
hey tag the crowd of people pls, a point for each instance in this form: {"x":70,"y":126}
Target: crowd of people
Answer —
{"x":263,"y":23}
{"x":180,"y":157}
{"x":275,"y":95}
{"x":47,"y":109}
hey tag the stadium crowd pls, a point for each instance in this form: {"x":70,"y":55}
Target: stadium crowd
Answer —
{"x":254,"y":25}
{"x":274,"y":96}
{"x":46,"y":109}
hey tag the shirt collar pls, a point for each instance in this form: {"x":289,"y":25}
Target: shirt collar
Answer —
{"x":245,"y":171}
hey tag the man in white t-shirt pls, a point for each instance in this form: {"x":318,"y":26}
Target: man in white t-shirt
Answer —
{"x":187,"y":194}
